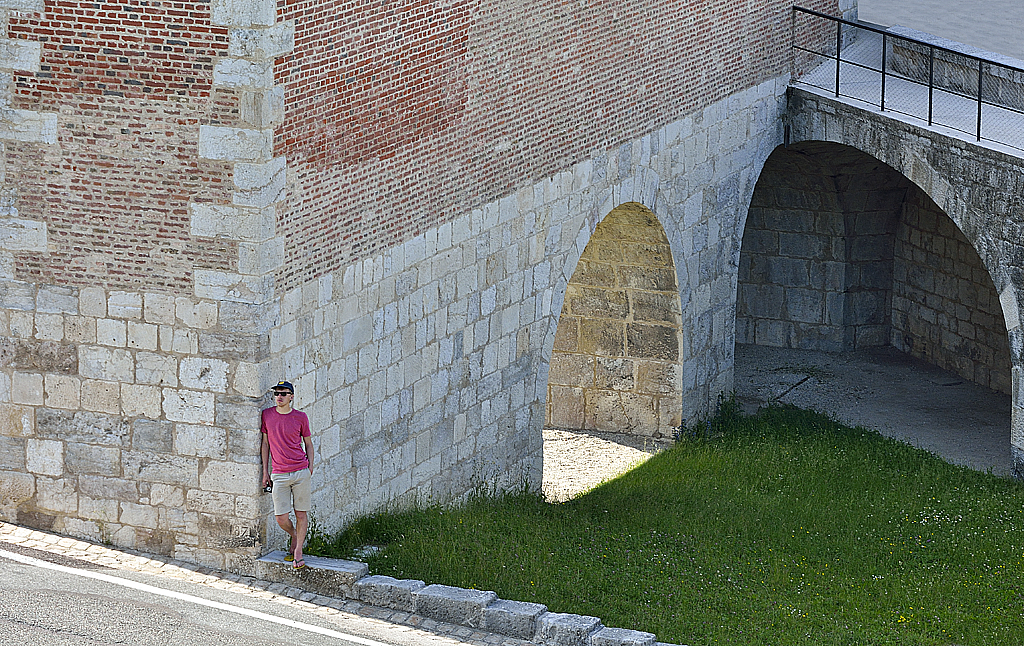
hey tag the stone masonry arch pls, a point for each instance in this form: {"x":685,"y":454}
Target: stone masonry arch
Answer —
{"x":841,"y":252}
{"x":616,"y":362}
{"x":978,"y":186}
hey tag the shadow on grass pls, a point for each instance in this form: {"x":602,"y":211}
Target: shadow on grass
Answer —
{"x":785,"y":527}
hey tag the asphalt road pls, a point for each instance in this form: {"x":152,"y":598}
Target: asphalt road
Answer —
{"x":994,"y":25}
{"x":49,"y":600}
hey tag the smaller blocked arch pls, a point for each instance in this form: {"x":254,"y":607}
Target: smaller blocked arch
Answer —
{"x":616,"y":363}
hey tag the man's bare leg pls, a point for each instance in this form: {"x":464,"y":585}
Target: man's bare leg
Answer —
{"x":301,"y":527}
{"x":284,"y":521}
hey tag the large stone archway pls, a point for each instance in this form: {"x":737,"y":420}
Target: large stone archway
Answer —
{"x":616,"y":364}
{"x":978,"y":187}
{"x":841,"y":252}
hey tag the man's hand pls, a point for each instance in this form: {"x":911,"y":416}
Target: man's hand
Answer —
{"x":266,"y":478}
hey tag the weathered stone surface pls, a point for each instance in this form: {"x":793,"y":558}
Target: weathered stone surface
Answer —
{"x":99,"y":460}
{"x":560,"y":629}
{"x":27,"y":388}
{"x":204,"y":374}
{"x":513,"y":618}
{"x":210,"y":502}
{"x":63,"y":391}
{"x":238,"y":347}
{"x":108,"y":364}
{"x":105,"y":488}
{"x":101,"y":396}
{"x":156,"y":369}
{"x":12,"y":453}
{"x":567,"y":334}
{"x":597,"y":303}
{"x":44,"y":457}
{"x":621,"y":637}
{"x":15,"y":487}
{"x":615,"y":373}
{"x":200,"y":441}
{"x":57,"y":299}
{"x":152,"y":435}
{"x":238,"y":412}
{"x":653,"y":341}
{"x":80,"y":426}
{"x":230,"y":477}
{"x":56,"y":495}
{"x":140,"y":401}
{"x":387,"y":592}
{"x":124,"y":305}
{"x":602,"y":337}
{"x":655,"y":307}
{"x":17,"y":295}
{"x":147,"y":466}
{"x":453,"y":605}
{"x":575,"y":370}
{"x":38,"y":356}
{"x":17,"y":421}
{"x":248,"y":318}
{"x":188,"y":406}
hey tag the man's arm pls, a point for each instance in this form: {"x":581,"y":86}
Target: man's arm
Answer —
{"x":308,"y":443}
{"x":265,"y":455}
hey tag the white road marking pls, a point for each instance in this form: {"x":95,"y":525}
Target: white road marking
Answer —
{"x":28,"y":560}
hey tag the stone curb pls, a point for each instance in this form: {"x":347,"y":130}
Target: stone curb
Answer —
{"x":471,"y":608}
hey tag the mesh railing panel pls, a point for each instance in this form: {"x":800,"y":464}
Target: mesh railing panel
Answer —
{"x":979,"y":98}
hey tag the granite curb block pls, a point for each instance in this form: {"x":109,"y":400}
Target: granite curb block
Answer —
{"x":471,"y":608}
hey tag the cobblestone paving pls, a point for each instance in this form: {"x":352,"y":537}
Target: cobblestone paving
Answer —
{"x":370,"y":620}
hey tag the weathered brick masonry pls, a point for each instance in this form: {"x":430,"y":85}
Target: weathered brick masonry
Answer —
{"x":382,"y":203}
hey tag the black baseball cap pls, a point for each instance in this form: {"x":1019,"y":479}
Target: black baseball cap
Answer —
{"x":284,"y":385}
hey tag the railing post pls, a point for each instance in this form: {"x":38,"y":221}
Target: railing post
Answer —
{"x":839,"y":49}
{"x":884,"y":50}
{"x":792,"y":44}
{"x":931,"y":81}
{"x":981,"y":66}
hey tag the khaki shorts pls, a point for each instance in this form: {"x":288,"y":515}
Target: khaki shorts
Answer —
{"x":289,"y":487}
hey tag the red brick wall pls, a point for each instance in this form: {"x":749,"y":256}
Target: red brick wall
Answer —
{"x":401,"y":115}
{"x":132,"y":83}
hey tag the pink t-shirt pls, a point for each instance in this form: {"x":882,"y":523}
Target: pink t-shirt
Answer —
{"x":284,"y":434}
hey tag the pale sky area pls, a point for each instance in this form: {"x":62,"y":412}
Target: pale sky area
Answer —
{"x":994,"y":25}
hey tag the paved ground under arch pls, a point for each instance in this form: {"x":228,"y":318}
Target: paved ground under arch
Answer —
{"x":879,"y":388}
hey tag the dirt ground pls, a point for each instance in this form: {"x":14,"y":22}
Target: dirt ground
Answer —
{"x":882,"y":389}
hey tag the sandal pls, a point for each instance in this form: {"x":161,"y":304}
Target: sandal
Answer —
{"x":299,"y":565}
{"x":290,"y":556}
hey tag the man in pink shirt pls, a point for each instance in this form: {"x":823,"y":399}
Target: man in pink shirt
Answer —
{"x":287,"y":448}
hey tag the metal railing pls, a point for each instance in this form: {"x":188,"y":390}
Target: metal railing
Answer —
{"x":977,"y":96}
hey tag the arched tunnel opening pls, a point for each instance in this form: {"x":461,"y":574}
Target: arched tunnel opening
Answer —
{"x":615,"y":381}
{"x":859,"y":296}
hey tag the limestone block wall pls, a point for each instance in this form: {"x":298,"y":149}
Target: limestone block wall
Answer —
{"x":130,"y":417}
{"x":615,"y":364}
{"x":424,"y":369}
{"x":816,"y":267}
{"x":945,"y":308}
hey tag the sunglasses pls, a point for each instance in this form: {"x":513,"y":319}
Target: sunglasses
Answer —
{"x":280,"y":394}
